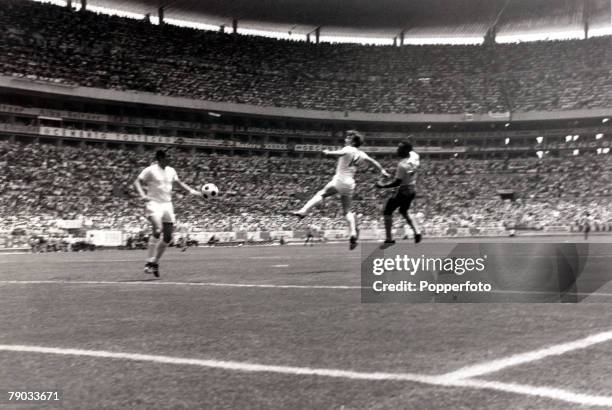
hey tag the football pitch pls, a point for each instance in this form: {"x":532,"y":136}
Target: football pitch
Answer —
{"x":283,"y":327}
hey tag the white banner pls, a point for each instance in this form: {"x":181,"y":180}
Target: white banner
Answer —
{"x":105,"y":238}
{"x":275,"y":235}
{"x":314,"y":148}
{"x":69,"y":223}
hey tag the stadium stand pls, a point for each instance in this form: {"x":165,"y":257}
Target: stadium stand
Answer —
{"x":41,"y":183}
{"x":48,"y":42}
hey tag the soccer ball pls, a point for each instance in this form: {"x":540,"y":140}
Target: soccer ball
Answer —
{"x":210,"y":191}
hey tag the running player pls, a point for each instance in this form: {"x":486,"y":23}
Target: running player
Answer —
{"x":343,"y":182}
{"x":309,"y":236}
{"x":587,"y":221}
{"x":154,"y":185}
{"x":405,"y":182}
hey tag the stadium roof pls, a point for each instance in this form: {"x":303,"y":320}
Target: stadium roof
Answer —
{"x":366,"y":18}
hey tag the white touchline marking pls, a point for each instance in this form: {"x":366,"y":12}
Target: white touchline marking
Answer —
{"x":527,"y":357}
{"x":533,"y":293}
{"x":280,"y":266}
{"x":547,"y":392}
{"x":156,"y":283}
{"x":232,"y":285}
{"x":222,"y":364}
{"x":63,"y":262}
{"x":266,"y":257}
{"x":538,"y":391}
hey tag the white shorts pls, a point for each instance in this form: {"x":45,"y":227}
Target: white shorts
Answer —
{"x":163,"y":211}
{"x":344,"y":187}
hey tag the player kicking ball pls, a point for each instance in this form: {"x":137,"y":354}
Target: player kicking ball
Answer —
{"x":157,"y":180}
{"x":343,"y":182}
{"x":405,"y":182}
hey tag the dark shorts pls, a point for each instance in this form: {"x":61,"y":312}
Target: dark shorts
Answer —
{"x":401,"y":199}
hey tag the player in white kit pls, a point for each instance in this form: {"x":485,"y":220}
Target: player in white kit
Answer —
{"x":343,"y":182}
{"x":154,"y":185}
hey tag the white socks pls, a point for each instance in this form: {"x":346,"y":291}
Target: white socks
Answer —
{"x":350,"y":218}
{"x":152,"y":246}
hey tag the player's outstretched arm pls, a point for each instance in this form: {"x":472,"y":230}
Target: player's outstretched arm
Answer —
{"x":331,"y":153}
{"x":187,"y":187}
{"x":393,"y":184}
{"x":376,"y":164}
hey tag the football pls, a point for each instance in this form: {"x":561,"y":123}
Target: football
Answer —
{"x":210,"y":191}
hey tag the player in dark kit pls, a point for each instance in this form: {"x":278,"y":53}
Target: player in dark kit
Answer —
{"x":586,"y":225}
{"x":405,"y":184}
{"x":309,"y":236}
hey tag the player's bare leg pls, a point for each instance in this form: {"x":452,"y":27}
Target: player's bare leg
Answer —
{"x":388,"y":229}
{"x":350,"y":218}
{"x":388,"y":210}
{"x":151,"y":266}
{"x":411,"y":221}
{"x":162,"y":244}
{"x":315,"y":200}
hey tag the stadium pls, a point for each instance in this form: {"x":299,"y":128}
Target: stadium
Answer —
{"x":507,"y":103}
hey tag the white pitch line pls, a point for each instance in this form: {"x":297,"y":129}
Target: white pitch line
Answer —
{"x":527,"y":357}
{"x":280,"y":266}
{"x":156,"y":283}
{"x":547,"y":293}
{"x":63,"y":262}
{"x":238,"y":285}
{"x":546,"y":392}
{"x":538,"y":391}
{"x":267,"y":257}
{"x":222,"y":364}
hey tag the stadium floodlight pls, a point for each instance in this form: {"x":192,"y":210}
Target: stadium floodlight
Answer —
{"x":539,"y":139}
{"x":568,"y":138}
{"x":576,"y":152}
{"x":575,"y":138}
{"x":605,"y":120}
{"x":598,"y":136}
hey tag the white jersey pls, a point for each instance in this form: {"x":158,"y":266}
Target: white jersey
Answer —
{"x":158,"y":182}
{"x":347,"y":164}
